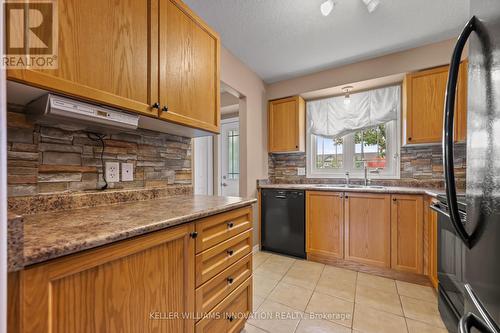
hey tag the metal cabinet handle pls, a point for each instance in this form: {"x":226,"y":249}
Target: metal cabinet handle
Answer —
{"x":193,"y":234}
{"x":156,"y":105}
{"x":449,"y":113}
{"x":164,"y":108}
{"x":230,"y":225}
{"x":230,"y":280}
{"x":230,"y":252}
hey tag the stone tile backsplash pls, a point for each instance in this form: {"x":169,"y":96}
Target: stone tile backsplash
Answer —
{"x":56,"y":158}
{"x":421,"y":166}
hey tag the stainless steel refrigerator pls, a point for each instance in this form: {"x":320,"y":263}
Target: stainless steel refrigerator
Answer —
{"x":480,"y":233}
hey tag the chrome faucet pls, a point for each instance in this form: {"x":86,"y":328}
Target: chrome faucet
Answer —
{"x":366,"y":173}
{"x":347,"y":178}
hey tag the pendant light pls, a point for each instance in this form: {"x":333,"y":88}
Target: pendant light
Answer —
{"x":347,"y":94}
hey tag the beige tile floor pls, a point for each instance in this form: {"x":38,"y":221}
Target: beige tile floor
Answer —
{"x":316,"y":298}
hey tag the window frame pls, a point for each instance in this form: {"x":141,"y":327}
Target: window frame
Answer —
{"x":348,"y":150}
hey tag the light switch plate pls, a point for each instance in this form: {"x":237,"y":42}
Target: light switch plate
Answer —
{"x":127,"y":172}
{"x":112,"y":172}
{"x":301,"y":171}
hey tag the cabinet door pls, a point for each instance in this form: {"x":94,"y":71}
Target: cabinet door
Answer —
{"x":189,"y":68}
{"x":325,"y":224}
{"x":424,"y":96}
{"x":367,"y":228}
{"x":107,"y":54}
{"x":287,"y":125}
{"x":407,"y":232}
{"x":425,"y":92}
{"x":123,"y":287}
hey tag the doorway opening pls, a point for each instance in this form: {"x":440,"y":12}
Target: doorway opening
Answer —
{"x":216,"y":159}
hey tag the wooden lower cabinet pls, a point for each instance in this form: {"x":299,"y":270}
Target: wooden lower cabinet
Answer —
{"x":231,"y":314}
{"x":407,"y":233}
{"x":373,"y":232}
{"x":433,"y":247}
{"x":368,"y":228}
{"x":122,"y":287}
{"x":325,"y":224}
{"x":145,"y":284}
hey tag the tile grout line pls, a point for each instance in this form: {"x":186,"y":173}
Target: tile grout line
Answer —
{"x":354,"y":302}
{"x":281,"y":279}
{"x":310,"y":297}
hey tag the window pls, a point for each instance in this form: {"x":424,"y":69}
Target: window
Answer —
{"x":233,"y":169}
{"x":376,"y":145}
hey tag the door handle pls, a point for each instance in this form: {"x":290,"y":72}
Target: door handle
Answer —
{"x":224,"y":184}
{"x":280,"y":197}
{"x":485,"y":324}
{"x":449,"y":113}
{"x":470,"y":320}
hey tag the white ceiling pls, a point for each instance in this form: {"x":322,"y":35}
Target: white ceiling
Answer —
{"x":281,"y":39}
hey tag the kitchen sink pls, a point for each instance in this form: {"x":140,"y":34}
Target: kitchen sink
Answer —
{"x":350,"y":186}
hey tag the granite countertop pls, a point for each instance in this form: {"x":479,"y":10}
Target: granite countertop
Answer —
{"x":378,"y":189}
{"x":55,"y":234}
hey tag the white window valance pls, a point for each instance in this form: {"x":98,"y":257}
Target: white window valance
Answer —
{"x":331,"y":117}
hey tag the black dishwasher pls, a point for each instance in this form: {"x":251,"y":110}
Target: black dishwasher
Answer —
{"x":283,"y":222}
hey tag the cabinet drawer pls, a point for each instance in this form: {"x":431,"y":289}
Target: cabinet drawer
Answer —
{"x":216,"y":229}
{"x":231,"y":314}
{"x":214,"y":291}
{"x":214,"y":260}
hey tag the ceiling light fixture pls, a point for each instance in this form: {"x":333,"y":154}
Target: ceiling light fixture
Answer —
{"x":327,"y":7}
{"x":347,"y":94}
{"x":371,"y":5}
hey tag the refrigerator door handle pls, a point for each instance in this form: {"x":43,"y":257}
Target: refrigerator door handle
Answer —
{"x":484,"y":324}
{"x":449,"y":110}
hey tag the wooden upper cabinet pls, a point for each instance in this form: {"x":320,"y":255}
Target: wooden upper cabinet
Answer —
{"x":325,"y":224}
{"x":114,"y":288}
{"x":407,"y":233}
{"x":106,"y":54}
{"x":189,"y":68}
{"x":286,"y":121}
{"x":368,"y":228}
{"x":423,"y":105}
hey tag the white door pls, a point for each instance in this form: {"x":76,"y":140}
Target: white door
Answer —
{"x":203,"y":165}
{"x":230,"y":158}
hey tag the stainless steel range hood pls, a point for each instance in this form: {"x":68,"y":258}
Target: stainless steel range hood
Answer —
{"x":54,"y":107}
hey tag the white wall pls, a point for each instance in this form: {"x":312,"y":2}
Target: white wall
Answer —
{"x":253,"y":120}
{"x":400,"y":62}
{"x":253,"y":124}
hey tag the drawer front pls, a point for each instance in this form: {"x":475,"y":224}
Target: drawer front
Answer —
{"x":217,"y":288}
{"x":238,"y":310}
{"x":231,"y":314}
{"x":216,"y":229}
{"x":216,"y":259}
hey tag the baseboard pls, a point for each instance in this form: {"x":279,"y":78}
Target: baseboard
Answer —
{"x":256,"y":248}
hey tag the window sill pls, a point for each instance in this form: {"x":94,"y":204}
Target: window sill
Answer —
{"x":355,"y":176}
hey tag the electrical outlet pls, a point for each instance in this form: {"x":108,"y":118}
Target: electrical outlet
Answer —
{"x":127,"y":172}
{"x":112,"y":172}
{"x":301,"y":171}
